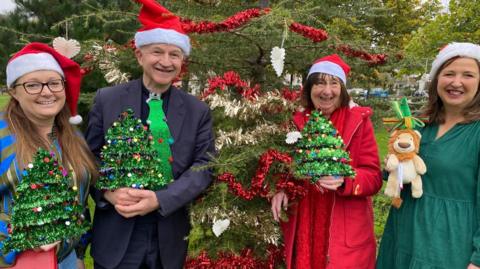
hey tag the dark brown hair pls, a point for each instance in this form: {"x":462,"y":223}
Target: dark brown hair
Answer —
{"x":74,"y":148}
{"x":317,"y":78}
{"x":435,"y":109}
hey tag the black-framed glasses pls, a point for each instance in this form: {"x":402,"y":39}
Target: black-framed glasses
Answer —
{"x":33,"y":87}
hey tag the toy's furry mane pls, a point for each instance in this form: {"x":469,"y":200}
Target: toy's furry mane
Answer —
{"x":404,"y":156}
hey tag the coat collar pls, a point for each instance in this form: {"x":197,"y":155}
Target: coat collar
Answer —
{"x":176,"y":112}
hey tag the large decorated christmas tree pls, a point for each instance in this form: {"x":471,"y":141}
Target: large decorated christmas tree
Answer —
{"x":46,"y":208}
{"x":129,"y":158}
{"x":320,"y":151}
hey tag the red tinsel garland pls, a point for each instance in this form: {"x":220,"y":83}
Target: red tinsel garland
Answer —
{"x":319,"y":35}
{"x":245,"y":260}
{"x":233,"y":22}
{"x":257,"y":187}
{"x":314,"y":34}
{"x":291,"y":94}
{"x":372,"y":59}
{"x":295,"y":189}
{"x":231,"y":79}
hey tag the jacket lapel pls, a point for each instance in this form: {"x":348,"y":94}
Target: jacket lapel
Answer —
{"x":176,"y":113}
{"x":133,"y":98}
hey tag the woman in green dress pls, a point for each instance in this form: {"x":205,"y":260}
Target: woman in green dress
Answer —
{"x":441,"y":229}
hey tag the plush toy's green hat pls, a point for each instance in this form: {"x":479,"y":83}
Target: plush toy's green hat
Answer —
{"x":404,"y":118}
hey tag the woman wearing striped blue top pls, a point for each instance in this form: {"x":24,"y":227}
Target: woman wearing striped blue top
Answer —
{"x":44,"y":87}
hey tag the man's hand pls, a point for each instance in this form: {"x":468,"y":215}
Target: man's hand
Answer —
{"x":279,"y":199}
{"x":120,"y":197}
{"x":147,"y":202}
{"x":330,"y":182}
{"x":80,"y":264}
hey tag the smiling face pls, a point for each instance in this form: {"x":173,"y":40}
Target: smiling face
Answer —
{"x":326,"y":94}
{"x":161,"y":64}
{"x":458,"y":83}
{"x":39,"y":108}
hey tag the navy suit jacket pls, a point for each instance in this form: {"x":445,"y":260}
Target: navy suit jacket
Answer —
{"x":190,"y":124}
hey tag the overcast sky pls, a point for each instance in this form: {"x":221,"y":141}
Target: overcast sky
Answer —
{"x":7,"y":5}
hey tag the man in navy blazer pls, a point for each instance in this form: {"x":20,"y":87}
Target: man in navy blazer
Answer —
{"x":135,"y":228}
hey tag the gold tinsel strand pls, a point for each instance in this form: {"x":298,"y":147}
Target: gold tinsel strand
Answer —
{"x":107,"y":59}
{"x":248,"y":109}
{"x":240,"y":137}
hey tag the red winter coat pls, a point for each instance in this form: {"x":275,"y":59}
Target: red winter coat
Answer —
{"x":334,"y":230}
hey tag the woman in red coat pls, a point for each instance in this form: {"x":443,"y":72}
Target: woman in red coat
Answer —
{"x":332,"y":227}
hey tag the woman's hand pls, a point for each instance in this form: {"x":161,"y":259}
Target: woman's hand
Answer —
{"x":47,"y":247}
{"x":80,"y":264}
{"x":472,"y":266}
{"x":330,"y":182}
{"x":279,"y":199}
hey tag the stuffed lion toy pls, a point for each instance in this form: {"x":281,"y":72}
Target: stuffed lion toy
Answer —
{"x":404,"y":165}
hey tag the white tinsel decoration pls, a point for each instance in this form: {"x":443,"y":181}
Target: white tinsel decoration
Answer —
{"x":219,"y":226}
{"x":250,"y":137}
{"x":292,"y":137}
{"x":277,"y":57}
{"x":107,"y":60}
{"x":68,"y":48}
{"x":248,"y":109}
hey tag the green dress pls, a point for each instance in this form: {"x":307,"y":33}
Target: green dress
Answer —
{"x":440,"y":229}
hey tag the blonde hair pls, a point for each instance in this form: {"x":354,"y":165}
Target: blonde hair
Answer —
{"x":75,"y":151}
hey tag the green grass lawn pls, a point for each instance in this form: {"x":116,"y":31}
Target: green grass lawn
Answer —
{"x":4,"y":99}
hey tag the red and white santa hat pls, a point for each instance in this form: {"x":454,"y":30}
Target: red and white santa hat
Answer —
{"x":462,"y":49}
{"x":38,"y":56}
{"x":160,"y":26}
{"x":331,"y":65}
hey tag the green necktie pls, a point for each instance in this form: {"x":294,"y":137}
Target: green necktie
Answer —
{"x":161,"y":134}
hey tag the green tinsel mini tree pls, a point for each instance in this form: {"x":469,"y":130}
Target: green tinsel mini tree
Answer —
{"x":46,"y":207}
{"x":320,"y":151}
{"x":129,"y":158}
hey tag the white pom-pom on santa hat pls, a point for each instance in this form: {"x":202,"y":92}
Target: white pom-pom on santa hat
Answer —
{"x":38,"y":56}
{"x":160,"y":26}
{"x":75,"y":120}
{"x":452,"y":50}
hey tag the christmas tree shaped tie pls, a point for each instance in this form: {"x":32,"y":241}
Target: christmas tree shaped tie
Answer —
{"x":129,"y":158}
{"x":46,"y":207}
{"x":319,"y":152}
{"x":161,"y":134}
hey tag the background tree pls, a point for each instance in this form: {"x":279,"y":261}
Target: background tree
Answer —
{"x":459,"y":24}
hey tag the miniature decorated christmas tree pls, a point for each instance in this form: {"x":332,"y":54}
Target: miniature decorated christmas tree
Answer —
{"x":320,"y":151}
{"x":129,"y":158}
{"x":46,"y":207}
